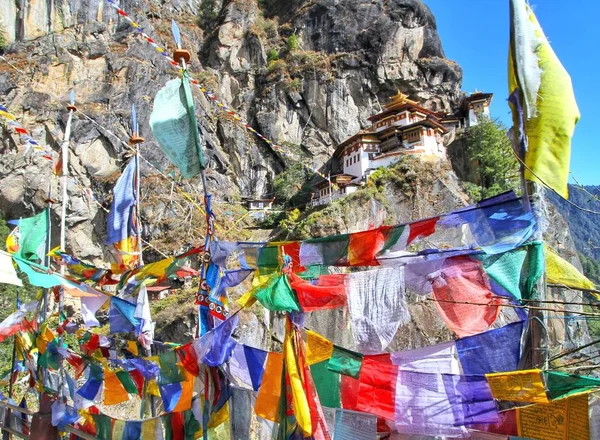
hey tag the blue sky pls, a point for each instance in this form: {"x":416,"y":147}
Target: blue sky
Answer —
{"x":475,"y":34}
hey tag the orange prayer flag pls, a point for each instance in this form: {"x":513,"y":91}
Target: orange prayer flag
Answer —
{"x":114,"y":391}
{"x":187,"y":391}
{"x":267,"y":400}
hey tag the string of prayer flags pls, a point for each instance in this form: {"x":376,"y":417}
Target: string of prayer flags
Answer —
{"x":493,"y":351}
{"x":377,"y":304}
{"x":267,"y":400}
{"x":328,"y":292}
{"x":561,"y":385}
{"x":518,"y":386}
{"x":318,"y":348}
{"x":345,"y":362}
{"x":461,"y":291}
{"x":248,"y":364}
{"x":560,"y":271}
{"x":542,"y":101}
{"x":565,"y":419}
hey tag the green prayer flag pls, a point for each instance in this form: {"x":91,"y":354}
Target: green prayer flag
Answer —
{"x":191,"y":425}
{"x":125,"y":379}
{"x":562,"y":384}
{"x":37,"y":278}
{"x":327,"y":384}
{"x":346,"y":362}
{"x":174,"y":125}
{"x":278,"y":296}
{"x":166,"y":421}
{"x":268,"y":259}
{"x":392,"y":237}
{"x":103,"y":426}
{"x":169,"y":370}
{"x":33,"y":233}
{"x":517,"y":271}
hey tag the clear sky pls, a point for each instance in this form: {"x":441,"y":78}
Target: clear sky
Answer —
{"x":475,"y":34}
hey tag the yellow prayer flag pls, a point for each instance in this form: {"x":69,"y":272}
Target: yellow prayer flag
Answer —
{"x":152,"y":388}
{"x":301,"y":409}
{"x":149,"y":429}
{"x":258,"y":282}
{"x":118,"y":429}
{"x":518,"y":386}
{"x":547,"y":100}
{"x":560,"y":271}
{"x":132,"y":347}
{"x":7,"y":115}
{"x":564,"y":419}
{"x":267,"y":400}
{"x":318,"y":348}
{"x":114,"y":391}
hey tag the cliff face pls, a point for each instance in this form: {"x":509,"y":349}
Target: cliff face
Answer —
{"x":347,"y":58}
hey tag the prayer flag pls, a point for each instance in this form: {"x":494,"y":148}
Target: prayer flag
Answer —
{"x":493,"y":351}
{"x":169,"y":370}
{"x":565,"y":419}
{"x":561,"y":385}
{"x":38,"y":279}
{"x":346,"y":362}
{"x":267,"y":400}
{"x":33,"y":233}
{"x":463,"y":281}
{"x":327,"y":384}
{"x":470,"y":399}
{"x":103,"y":426}
{"x":440,"y":358}
{"x":560,"y":271}
{"x":377,"y":386}
{"x":377,"y":303}
{"x":120,"y":223}
{"x":8,"y":274}
{"x":133,"y":430}
{"x":318,"y":348}
{"x":278,"y":296}
{"x":221,"y":343}
{"x":90,"y":305}
{"x":189,"y":359}
{"x":248,"y":365}
{"x":546,"y":110}
{"x":328,"y":292}
{"x":145,"y":328}
{"x":173,"y":123}
{"x":518,"y":386}
{"x":114,"y":392}
{"x":127,"y":382}
{"x":122,"y":316}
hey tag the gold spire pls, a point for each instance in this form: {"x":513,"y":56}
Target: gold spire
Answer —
{"x":400,"y":99}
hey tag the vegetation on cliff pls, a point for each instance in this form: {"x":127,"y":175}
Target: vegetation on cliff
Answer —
{"x":494,"y":167}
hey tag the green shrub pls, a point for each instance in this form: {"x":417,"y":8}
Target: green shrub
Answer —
{"x":292,"y":43}
{"x":277,"y":67}
{"x":272,"y":55}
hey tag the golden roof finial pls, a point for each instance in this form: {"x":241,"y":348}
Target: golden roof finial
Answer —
{"x":400,"y":99}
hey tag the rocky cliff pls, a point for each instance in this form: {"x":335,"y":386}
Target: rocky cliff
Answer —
{"x":306,"y":74}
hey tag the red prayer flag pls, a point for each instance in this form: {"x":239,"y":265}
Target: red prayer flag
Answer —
{"x":421,"y":229}
{"x":377,"y":386}
{"x":328,"y":293}
{"x":349,"y":391}
{"x":364,"y":246}
{"x":138,"y":380}
{"x":463,"y":280}
{"x":293,"y":251}
{"x":189,"y":359}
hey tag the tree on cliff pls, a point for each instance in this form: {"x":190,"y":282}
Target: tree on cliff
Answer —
{"x":490,"y":152}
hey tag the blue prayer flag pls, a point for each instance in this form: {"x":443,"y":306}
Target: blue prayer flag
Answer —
{"x":255,"y":359}
{"x":493,"y":351}
{"x":222,"y":343}
{"x":170,"y":394}
{"x":121,"y":316}
{"x":120,"y":222}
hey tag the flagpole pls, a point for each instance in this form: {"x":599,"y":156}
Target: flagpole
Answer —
{"x":183,"y":56}
{"x":63,"y":229}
